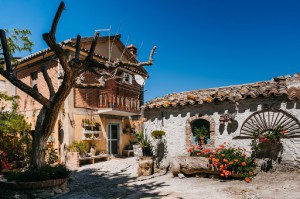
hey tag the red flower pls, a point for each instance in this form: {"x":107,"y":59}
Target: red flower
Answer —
{"x":248,"y":180}
{"x":191,"y":149}
{"x":243,"y":164}
{"x":284,"y":132}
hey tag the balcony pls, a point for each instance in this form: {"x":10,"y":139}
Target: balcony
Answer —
{"x":114,"y":102}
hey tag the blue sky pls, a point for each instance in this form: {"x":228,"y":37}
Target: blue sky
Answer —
{"x":201,"y":43}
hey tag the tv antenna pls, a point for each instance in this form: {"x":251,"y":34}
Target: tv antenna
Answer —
{"x":106,"y":30}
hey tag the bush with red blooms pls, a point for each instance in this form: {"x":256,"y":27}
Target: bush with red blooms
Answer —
{"x":227,"y":160}
{"x":4,"y":165}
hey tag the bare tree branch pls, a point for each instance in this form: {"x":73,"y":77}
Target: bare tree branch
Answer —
{"x":48,"y":81}
{"x":119,"y":63}
{"x":77,"y":52}
{"x":5,"y":51}
{"x":56,"y":18}
{"x":93,"y":46}
{"x":27,"y":89}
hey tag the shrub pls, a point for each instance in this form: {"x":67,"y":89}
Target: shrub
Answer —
{"x":228,"y":161}
{"x":45,"y":173}
{"x":77,"y":146}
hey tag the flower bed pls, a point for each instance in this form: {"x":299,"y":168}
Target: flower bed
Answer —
{"x":228,"y":161}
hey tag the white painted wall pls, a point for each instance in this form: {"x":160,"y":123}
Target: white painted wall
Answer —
{"x":174,"y":121}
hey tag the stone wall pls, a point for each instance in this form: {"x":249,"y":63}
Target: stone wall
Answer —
{"x":175,"y":122}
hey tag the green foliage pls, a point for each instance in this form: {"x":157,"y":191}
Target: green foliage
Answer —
{"x":15,"y":139}
{"x":77,"y":146}
{"x":227,"y":160}
{"x":157,"y":133}
{"x":18,"y":40}
{"x":51,"y":155}
{"x":7,"y":99}
{"x":139,"y":137}
{"x":45,"y":173}
{"x":201,"y":132}
{"x":143,"y":140}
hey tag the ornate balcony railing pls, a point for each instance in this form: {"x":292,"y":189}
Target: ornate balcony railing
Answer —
{"x":119,"y":102}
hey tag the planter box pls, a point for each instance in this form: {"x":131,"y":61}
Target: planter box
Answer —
{"x":137,"y":151}
{"x":269,"y":150}
{"x":33,"y":185}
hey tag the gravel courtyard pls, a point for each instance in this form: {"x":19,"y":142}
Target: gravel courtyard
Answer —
{"x":118,"y":178}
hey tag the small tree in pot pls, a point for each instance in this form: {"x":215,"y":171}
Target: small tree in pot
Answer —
{"x":201,"y":134}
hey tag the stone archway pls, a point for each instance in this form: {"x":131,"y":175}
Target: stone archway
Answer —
{"x":189,"y":132}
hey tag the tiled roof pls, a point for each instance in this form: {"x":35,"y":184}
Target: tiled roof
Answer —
{"x":276,"y":87}
{"x":71,"y":43}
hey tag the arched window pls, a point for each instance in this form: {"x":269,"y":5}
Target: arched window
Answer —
{"x":193,"y":124}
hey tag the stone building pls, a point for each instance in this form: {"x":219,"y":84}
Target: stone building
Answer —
{"x":100,"y":116}
{"x":230,"y":114}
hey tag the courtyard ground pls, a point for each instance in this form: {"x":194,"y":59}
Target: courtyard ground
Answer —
{"x":118,"y":178}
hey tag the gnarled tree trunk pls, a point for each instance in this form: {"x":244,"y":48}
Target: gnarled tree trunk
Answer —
{"x":44,"y":127}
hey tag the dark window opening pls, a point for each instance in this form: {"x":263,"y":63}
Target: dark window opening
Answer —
{"x":34,"y":77}
{"x":201,"y":128}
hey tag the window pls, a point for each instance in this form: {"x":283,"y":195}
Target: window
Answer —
{"x":127,"y":78}
{"x":34,"y":77}
{"x":201,"y":130}
{"x":205,"y":126}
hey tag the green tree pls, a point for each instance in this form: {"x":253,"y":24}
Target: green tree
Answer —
{"x":18,"y":40}
{"x":15,"y":139}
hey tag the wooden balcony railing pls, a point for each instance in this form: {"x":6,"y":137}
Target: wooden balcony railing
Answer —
{"x":119,"y":102}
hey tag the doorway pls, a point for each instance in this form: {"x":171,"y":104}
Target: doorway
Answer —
{"x":113,"y":139}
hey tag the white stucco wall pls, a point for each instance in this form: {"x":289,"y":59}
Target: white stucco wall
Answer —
{"x":173,"y":121}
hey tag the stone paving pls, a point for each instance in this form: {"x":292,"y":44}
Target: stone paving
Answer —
{"x":118,"y":178}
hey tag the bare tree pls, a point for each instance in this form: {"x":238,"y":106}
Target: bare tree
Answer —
{"x":51,"y":106}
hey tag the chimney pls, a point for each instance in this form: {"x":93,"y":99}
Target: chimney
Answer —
{"x":133,"y":50}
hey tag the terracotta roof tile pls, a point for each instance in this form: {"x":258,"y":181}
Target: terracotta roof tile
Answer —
{"x":276,"y":87}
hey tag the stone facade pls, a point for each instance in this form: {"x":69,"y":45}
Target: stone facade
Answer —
{"x":176,"y":122}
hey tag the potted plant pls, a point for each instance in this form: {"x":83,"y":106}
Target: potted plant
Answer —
{"x":146,"y":146}
{"x":137,"y":150}
{"x":78,"y":147}
{"x":96,"y":126}
{"x":201,"y":134}
{"x":157,"y":134}
{"x":267,"y":144}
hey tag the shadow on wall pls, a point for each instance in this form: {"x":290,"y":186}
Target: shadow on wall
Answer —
{"x":160,"y":151}
{"x":232,"y":127}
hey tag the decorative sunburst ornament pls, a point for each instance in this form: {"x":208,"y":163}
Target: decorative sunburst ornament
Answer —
{"x":268,"y":120}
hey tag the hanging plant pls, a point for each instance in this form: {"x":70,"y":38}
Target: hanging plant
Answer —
{"x":157,"y":134}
